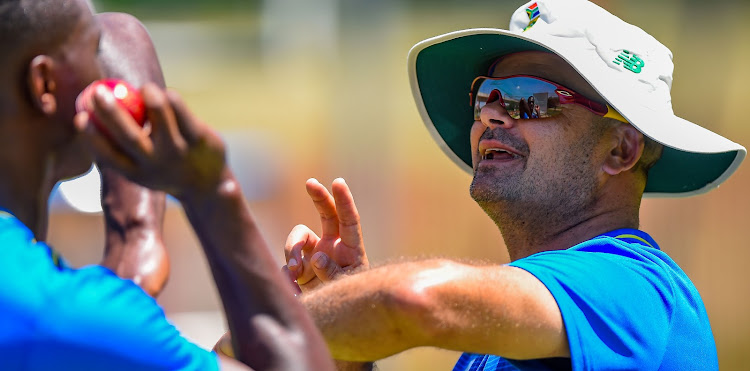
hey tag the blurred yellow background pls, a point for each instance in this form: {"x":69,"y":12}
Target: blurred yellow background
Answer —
{"x":303,"y":88}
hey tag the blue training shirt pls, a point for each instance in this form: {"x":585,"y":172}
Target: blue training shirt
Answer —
{"x":53,"y":317}
{"x":625,"y":304}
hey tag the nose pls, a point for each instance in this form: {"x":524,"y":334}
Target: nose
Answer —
{"x":494,"y":114}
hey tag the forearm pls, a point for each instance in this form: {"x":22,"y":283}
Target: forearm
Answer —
{"x":133,"y":232}
{"x":373,"y":314}
{"x":490,"y":309}
{"x":252,"y":289}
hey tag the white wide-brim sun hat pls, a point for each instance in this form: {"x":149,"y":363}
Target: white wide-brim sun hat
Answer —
{"x":630,"y":69}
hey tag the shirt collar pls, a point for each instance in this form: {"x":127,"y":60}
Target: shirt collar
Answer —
{"x":632,"y":236}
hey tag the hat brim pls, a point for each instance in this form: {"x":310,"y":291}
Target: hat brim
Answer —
{"x":441,"y":70}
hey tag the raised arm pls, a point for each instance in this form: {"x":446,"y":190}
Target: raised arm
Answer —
{"x":183,"y":156}
{"x":134,"y":247}
{"x":494,"y":309}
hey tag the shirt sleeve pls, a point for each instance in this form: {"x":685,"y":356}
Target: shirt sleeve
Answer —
{"x":97,"y":321}
{"x":56,"y":318}
{"x":616,"y":305}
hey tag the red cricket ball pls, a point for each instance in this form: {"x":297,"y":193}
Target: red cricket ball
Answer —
{"x":126,"y":95}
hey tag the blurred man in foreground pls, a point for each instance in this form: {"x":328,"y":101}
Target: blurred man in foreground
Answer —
{"x":56,"y":317}
{"x":585,"y":289}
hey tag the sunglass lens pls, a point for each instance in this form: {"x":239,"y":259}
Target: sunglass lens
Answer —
{"x":522,"y":97}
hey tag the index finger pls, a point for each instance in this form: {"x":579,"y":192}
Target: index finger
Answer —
{"x":119,"y":125}
{"x":161,"y":114}
{"x":350,"y":229}
{"x":326,"y":207}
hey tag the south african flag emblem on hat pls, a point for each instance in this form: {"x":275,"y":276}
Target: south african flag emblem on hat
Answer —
{"x":533,"y":12}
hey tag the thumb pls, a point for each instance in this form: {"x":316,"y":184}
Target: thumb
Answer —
{"x":324,"y":267}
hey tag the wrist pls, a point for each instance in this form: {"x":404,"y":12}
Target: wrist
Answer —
{"x":220,"y":207}
{"x":225,"y":186}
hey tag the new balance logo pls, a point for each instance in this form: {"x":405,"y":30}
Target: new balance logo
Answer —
{"x":630,"y":61}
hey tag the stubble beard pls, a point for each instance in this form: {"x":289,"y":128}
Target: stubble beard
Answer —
{"x":489,"y":188}
{"x":536,"y":202}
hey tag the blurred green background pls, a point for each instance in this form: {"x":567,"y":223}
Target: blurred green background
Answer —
{"x":318,"y":88}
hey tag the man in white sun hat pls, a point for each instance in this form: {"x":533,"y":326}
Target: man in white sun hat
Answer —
{"x":585,"y":290}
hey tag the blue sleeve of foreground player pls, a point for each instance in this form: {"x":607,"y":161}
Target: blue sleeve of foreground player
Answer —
{"x":104,"y":322}
{"x":56,"y":318}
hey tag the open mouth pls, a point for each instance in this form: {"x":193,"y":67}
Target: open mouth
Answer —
{"x":498,"y":154}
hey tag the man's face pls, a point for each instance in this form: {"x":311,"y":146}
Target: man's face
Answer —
{"x":78,"y":59}
{"x":79,"y":66}
{"x":553,"y":163}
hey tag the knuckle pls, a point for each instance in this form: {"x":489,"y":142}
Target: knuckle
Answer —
{"x":327,"y":216}
{"x":299,"y":227}
{"x":349,"y":222}
{"x":294,"y":235}
{"x":154,"y":99}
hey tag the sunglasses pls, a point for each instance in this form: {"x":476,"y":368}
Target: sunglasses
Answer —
{"x":530,"y":97}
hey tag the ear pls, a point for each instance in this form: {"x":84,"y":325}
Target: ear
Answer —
{"x":627,"y":149}
{"x":42,"y":85}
